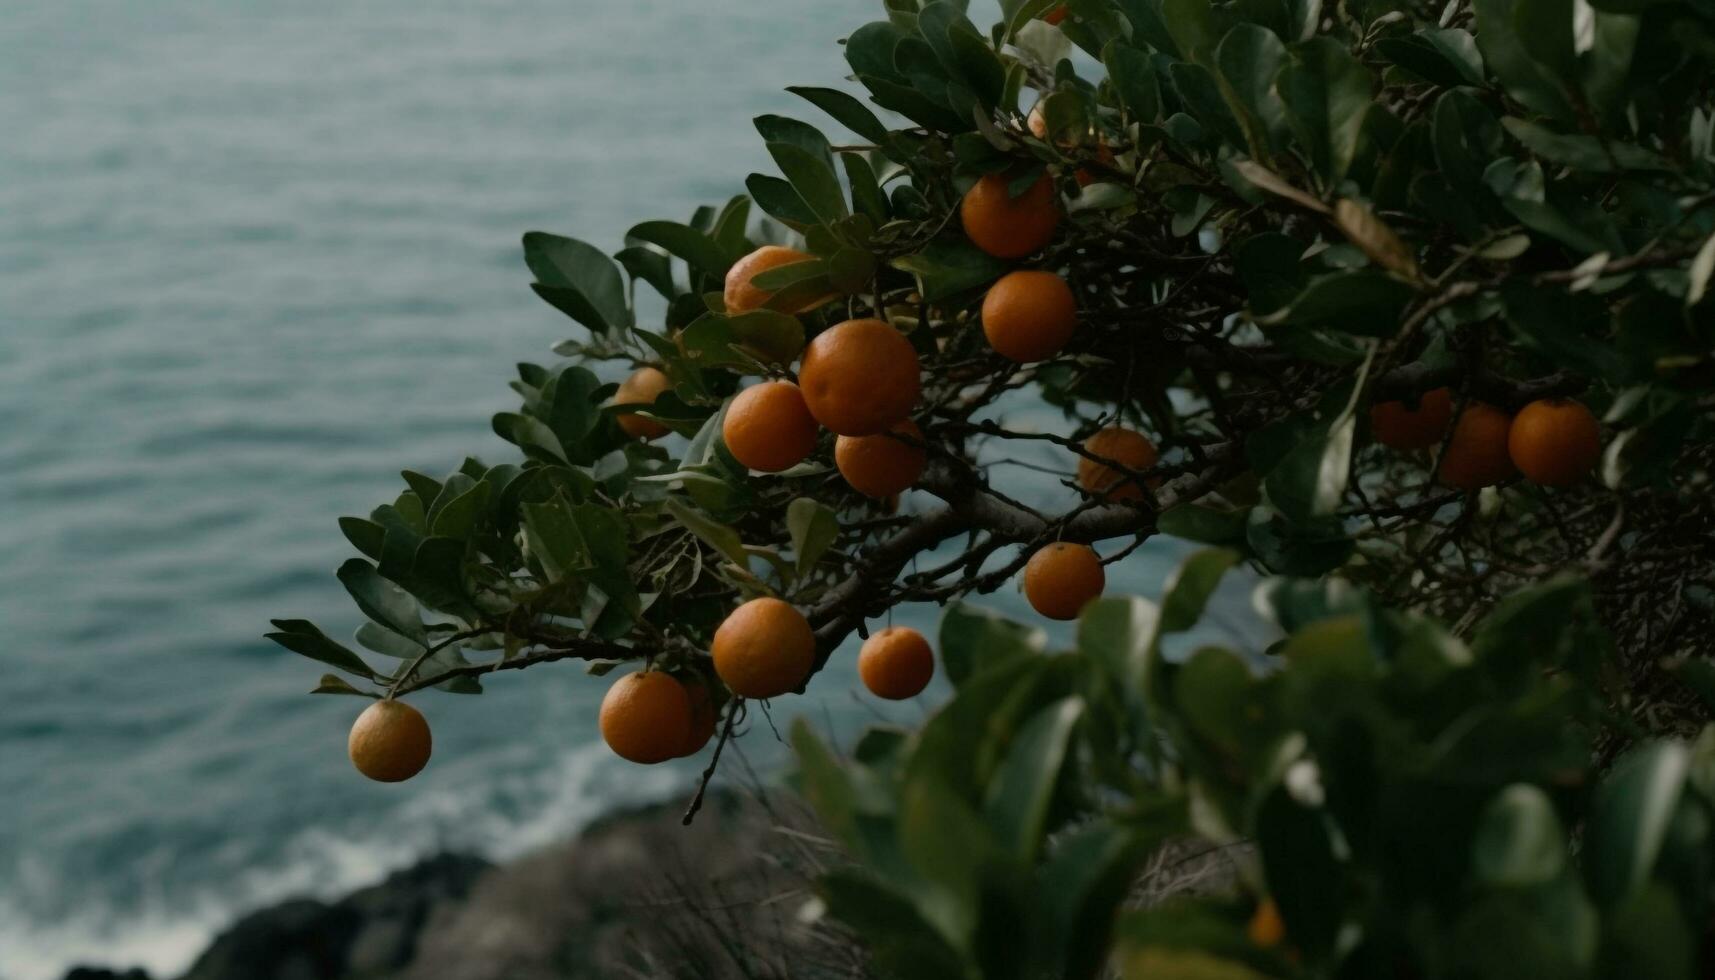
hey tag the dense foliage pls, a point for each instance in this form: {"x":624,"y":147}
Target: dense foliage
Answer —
{"x":1331,"y":260}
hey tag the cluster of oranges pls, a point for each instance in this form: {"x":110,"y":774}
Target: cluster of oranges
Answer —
{"x":1552,"y":442}
{"x":859,"y":379}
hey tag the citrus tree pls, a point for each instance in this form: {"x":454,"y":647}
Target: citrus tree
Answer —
{"x":1401,"y":307}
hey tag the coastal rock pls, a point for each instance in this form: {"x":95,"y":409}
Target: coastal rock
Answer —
{"x":370,"y":933}
{"x":636,"y":894}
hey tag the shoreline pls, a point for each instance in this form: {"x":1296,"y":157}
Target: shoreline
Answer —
{"x":631,"y":883}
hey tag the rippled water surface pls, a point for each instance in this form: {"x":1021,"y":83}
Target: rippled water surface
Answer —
{"x":255,"y":258}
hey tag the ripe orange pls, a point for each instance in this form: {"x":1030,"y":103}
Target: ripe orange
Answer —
{"x":860,"y":377}
{"x":768,"y":427}
{"x":1398,"y":426}
{"x":642,"y":388}
{"x":1007,"y":227}
{"x":389,"y":742}
{"x":704,"y":717}
{"x":742,"y":297}
{"x":896,"y":663}
{"x":764,"y":649}
{"x":881,"y":465}
{"x":1061,"y":578}
{"x":1555,"y":442}
{"x":646,"y":717}
{"x":1476,"y":456}
{"x":1129,"y":449}
{"x":1266,"y":928}
{"x":1029,"y":315}
{"x":1056,"y":15}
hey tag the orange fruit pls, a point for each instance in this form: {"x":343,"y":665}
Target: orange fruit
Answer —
{"x":1007,"y":227}
{"x":1029,"y":315}
{"x":768,"y":427}
{"x":1129,"y":449}
{"x":896,"y":663}
{"x":1061,"y":578}
{"x":881,"y":465}
{"x":742,"y":297}
{"x":642,"y":388}
{"x":1555,"y":442}
{"x":860,"y":377}
{"x":1399,"y":426}
{"x":764,"y":649}
{"x":1056,"y":15}
{"x":704,"y":716}
{"x":1476,"y":455}
{"x":1266,"y":928}
{"x":646,"y":717}
{"x":389,"y":742}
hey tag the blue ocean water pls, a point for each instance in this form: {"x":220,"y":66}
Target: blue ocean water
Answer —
{"x":255,"y":258}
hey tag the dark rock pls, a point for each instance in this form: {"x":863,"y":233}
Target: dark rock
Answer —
{"x":369,"y":933}
{"x":100,"y":973}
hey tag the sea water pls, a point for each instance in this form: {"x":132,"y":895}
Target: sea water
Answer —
{"x":255,"y":258}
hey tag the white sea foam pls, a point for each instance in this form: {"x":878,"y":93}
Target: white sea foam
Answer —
{"x":164,"y":936}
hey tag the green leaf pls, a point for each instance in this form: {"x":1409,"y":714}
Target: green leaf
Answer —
{"x":1519,"y":842}
{"x":1327,"y":94}
{"x":777,"y":197}
{"x":850,"y":112}
{"x":1567,"y":327}
{"x":1629,"y":819}
{"x":302,"y":637}
{"x":1023,"y":787}
{"x":719,"y":536}
{"x":1249,"y":58}
{"x":1544,"y":29}
{"x":814,"y":180}
{"x":867,"y":196}
{"x":579,"y":279}
{"x":1269,"y":266}
{"x":695,"y":247}
{"x":384,"y":641}
{"x":1212,"y":691}
{"x":1584,"y":152}
{"x":773,"y":336}
{"x":1088,"y":875}
{"x":459,"y":517}
{"x":1188,"y":589}
{"x":948,"y":267}
{"x":1192,"y":26}
{"x":1200,"y":92}
{"x":901,"y":942}
{"x":1302,"y":871}
{"x":1505,"y":55}
{"x":1121,"y":634}
{"x":1206,"y":525}
{"x":554,"y":539}
{"x":380,"y":599}
{"x":1363,"y":302}
{"x":813,"y":527}
{"x":973,"y":639}
{"x":1446,"y":57}
{"x":365,"y":536}
{"x":1134,"y":78}
{"x":1311,"y":481}
{"x":781,"y":129}
{"x":334,"y":684}
{"x":825,"y":786}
